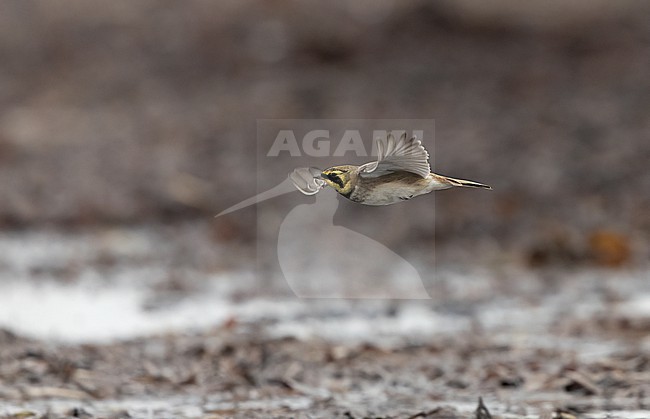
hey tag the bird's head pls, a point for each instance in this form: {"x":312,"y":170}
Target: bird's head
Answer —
{"x":341,"y":178}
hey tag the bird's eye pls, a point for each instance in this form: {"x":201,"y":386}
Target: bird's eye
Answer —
{"x":335,"y":178}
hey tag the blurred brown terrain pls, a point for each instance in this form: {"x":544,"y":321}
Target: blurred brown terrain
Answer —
{"x":122,"y":112}
{"x":125,"y":126}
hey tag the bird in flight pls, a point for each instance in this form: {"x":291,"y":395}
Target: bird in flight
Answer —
{"x":400,"y":173}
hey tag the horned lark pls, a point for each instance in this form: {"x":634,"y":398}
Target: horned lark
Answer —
{"x":400,"y":173}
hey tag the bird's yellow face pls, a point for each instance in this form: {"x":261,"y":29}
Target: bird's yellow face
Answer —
{"x":340,"y":178}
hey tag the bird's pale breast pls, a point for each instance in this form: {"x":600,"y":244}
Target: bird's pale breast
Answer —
{"x":389,"y":189}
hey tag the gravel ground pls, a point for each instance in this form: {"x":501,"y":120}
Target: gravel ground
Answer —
{"x":234,"y":371}
{"x":125,"y":125}
{"x":532,"y":342}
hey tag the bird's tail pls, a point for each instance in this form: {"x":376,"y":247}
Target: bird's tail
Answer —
{"x":465,"y":183}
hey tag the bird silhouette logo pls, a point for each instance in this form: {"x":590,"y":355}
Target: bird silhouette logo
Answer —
{"x":321,"y":260}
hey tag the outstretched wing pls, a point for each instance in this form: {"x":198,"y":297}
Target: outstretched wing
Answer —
{"x":398,"y":155}
{"x":307,"y":180}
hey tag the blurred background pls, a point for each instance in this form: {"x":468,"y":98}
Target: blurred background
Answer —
{"x":125,"y":126}
{"x":134,"y":111}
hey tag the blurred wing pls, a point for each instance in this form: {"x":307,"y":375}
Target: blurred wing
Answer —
{"x":307,"y":180}
{"x":283,"y":188}
{"x":401,"y":155}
